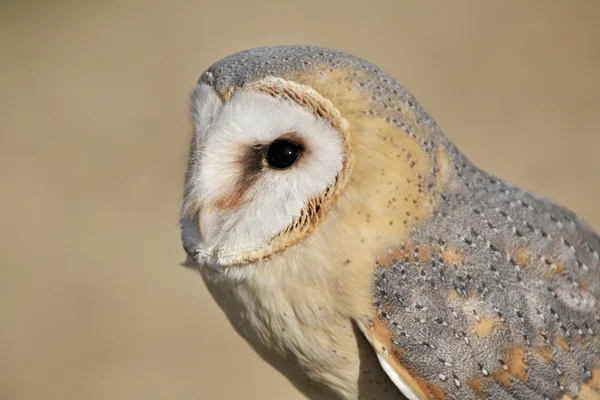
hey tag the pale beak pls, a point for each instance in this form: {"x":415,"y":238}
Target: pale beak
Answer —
{"x":208,"y":219}
{"x":189,"y":262}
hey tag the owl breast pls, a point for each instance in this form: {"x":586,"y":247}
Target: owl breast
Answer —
{"x":301,"y":334}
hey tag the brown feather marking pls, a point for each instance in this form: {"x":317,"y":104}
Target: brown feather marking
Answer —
{"x":513,"y":368}
{"x":556,"y":268}
{"x":485,"y":325}
{"x":385,"y":260}
{"x":411,"y":252}
{"x":382,"y":334}
{"x":476,"y":385}
{"x":436,"y":392}
{"x":381,"y":340}
{"x":453,"y":257}
{"x":521,"y":256}
{"x":594,"y":381}
{"x":587,"y":393}
{"x":562,"y":343}
{"x":407,"y":252}
{"x":545,"y":353}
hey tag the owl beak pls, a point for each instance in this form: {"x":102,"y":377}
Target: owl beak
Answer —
{"x":189,"y":262}
{"x":208,"y":219}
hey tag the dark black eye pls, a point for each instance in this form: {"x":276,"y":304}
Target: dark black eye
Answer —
{"x":283,"y":153}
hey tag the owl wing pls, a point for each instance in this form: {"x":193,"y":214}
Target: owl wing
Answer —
{"x":495,"y":297}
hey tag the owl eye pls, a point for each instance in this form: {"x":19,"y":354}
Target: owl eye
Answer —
{"x":283,"y":153}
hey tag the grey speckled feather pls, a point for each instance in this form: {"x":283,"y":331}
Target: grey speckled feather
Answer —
{"x":514,"y":258}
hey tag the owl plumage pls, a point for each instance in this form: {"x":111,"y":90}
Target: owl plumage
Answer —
{"x":361,"y":254}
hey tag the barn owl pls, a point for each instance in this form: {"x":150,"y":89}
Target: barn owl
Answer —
{"x":360,"y":253}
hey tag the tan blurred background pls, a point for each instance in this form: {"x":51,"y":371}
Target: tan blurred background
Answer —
{"x":93,"y":136}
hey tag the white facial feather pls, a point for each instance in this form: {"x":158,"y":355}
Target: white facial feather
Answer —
{"x":224,"y":135}
{"x":206,"y":104}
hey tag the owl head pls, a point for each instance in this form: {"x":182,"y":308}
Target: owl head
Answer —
{"x":276,"y":135}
